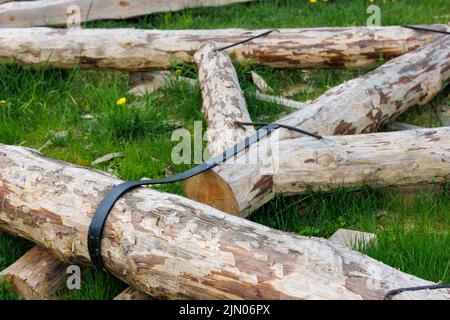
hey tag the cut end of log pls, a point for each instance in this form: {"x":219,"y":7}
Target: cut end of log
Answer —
{"x":209,"y":188}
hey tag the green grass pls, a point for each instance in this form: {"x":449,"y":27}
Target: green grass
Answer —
{"x":39,"y":103}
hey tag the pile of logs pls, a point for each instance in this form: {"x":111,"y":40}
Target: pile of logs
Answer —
{"x":173,"y":247}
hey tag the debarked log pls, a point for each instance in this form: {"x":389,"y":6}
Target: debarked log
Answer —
{"x":223,"y":100}
{"x":402,"y":158}
{"x":360,"y":105}
{"x":172,"y":247}
{"x":140,"y":50}
{"x":59,"y":12}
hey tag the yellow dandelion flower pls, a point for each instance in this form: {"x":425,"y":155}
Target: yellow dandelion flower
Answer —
{"x":2,"y":101}
{"x":121,"y":101}
{"x":179,"y":72}
{"x":312,"y":1}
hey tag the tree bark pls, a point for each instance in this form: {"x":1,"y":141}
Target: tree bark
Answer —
{"x":56,"y":12}
{"x":360,"y":105}
{"x":172,"y":247}
{"x":37,"y":275}
{"x":140,"y":50}
{"x":223,"y":99}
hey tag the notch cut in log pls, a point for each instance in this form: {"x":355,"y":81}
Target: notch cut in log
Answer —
{"x":172,"y":247}
{"x":141,"y":50}
{"x":37,"y":275}
{"x":360,"y":105}
{"x":58,"y":12}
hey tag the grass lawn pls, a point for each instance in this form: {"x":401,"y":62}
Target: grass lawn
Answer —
{"x":413,"y":235}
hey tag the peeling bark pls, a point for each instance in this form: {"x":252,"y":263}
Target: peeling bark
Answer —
{"x":172,"y":247}
{"x":360,"y":105}
{"x":140,"y":50}
{"x":55,"y":12}
{"x":37,"y":275}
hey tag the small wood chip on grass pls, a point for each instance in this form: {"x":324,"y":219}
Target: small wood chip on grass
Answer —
{"x":107,"y":158}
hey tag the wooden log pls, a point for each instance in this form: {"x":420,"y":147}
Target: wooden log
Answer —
{"x":357,"y":106}
{"x":140,"y":50}
{"x":377,"y":160}
{"x":37,"y":275}
{"x":55,"y":12}
{"x":223,"y":99}
{"x":172,"y":247}
{"x":131,"y":294}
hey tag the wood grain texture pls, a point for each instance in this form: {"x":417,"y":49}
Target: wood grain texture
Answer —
{"x":140,"y":50}
{"x":360,"y":105}
{"x":37,"y":275}
{"x":172,"y":247}
{"x":55,"y":12}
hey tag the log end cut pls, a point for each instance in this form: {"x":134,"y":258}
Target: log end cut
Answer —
{"x":209,"y":188}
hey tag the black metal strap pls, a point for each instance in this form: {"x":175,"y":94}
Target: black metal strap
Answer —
{"x":395,"y":292}
{"x":105,"y":206}
{"x":426,"y":29}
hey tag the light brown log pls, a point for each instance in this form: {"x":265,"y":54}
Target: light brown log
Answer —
{"x":223,"y":99}
{"x":37,"y":275}
{"x":172,"y":247}
{"x":377,"y":160}
{"x":358,"y":106}
{"x":55,"y":12}
{"x":140,"y":50}
{"x":131,"y":294}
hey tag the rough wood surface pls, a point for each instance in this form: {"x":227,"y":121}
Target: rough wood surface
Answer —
{"x":55,"y":12}
{"x":138,"y":50}
{"x":37,"y":275}
{"x":357,"y":106}
{"x":223,"y":99}
{"x":131,"y":294}
{"x":172,"y":247}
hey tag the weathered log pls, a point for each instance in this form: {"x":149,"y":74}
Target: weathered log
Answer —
{"x":55,"y":12}
{"x":358,"y":106}
{"x":138,"y":50}
{"x":223,"y":99}
{"x":131,"y":294}
{"x":172,"y":247}
{"x":37,"y":275}
{"x":376,"y":160}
